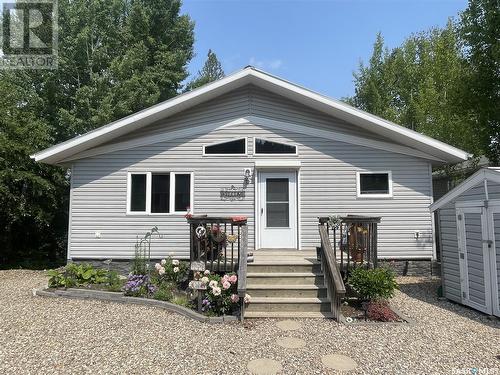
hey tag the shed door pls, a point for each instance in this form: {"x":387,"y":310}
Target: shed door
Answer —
{"x":474,"y":258}
{"x":494,"y":253}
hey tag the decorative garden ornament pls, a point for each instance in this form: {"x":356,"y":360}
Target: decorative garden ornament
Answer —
{"x":200,"y":231}
{"x":232,"y":238}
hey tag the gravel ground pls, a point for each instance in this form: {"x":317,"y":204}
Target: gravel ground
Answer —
{"x":52,"y":335}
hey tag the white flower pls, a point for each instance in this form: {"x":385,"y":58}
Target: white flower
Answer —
{"x":206,"y":273}
{"x":163,"y":262}
{"x":216,"y":291}
{"x":176,"y":269}
{"x":204,"y":280}
{"x":157,"y":266}
{"x":247,"y":298}
{"x":213,"y":284}
{"x":226,"y":285}
{"x":175,"y":262}
{"x":161,"y":271}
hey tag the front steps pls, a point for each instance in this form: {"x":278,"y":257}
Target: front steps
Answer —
{"x":286,"y":283}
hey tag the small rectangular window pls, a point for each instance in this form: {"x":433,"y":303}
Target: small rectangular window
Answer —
{"x":182,"y":192}
{"x":374,"y":184}
{"x":160,"y":193}
{"x":138,"y":192}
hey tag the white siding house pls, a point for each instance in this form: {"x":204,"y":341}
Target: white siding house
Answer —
{"x":306,"y":156}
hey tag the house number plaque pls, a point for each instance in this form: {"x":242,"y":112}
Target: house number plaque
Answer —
{"x":232,"y":194}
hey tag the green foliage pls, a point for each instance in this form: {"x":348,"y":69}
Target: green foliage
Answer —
{"x":479,"y":29}
{"x":181,"y":301}
{"x":420,"y":85}
{"x":116,"y":57}
{"x":170,"y":271}
{"x":221,"y":296}
{"x":139,"y":263}
{"x":165,"y":292}
{"x":373,"y":284}
{"x":80,"y":275}
{"x":211,"y":71}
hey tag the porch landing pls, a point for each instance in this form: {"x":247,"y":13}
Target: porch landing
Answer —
{"x":286,"y":283}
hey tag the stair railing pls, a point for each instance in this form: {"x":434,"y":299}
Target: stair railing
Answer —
{"x":333,"y":279}
{"x":242,"y":270}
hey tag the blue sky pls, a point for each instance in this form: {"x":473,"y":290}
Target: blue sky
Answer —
{"x":317,"y":44}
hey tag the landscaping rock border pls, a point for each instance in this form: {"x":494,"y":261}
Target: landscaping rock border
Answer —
{"x":120,"y":298}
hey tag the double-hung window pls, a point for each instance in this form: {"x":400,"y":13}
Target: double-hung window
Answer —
{"x":159,"y":192}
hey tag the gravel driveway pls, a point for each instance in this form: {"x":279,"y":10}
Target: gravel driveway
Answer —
{"x":46,"y":335}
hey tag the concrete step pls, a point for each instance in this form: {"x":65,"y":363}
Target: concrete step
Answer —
{"x":284,"y":278}
{"x":290,"y":265}
{"x":286,"y":314}
{"x":296,"y":291}
{"x":265,"y":304}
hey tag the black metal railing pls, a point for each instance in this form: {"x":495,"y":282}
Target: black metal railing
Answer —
{"x":354,"y":241}
{"x":217,"y":241}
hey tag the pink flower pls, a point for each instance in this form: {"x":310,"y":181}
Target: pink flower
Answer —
{"x":226,"y":285}
{"x":247,"y":298}
{"x":233,"y":279}
{"x":234,"y":298}
{"x":225,"y":278}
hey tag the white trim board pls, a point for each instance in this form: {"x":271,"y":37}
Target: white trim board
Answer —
{"x":259,"y":121}
{"x":250,"y":75}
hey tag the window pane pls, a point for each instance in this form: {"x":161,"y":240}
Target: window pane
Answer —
{"x":138,"y":192}
{"x":182,"y":192}
{"x":374,"y":183}
{"x":267,"y":147}
{"x":277,"y":215}
{"x":232,"y":147}
{"x":277,"y":190}
{"x":160,"y":193}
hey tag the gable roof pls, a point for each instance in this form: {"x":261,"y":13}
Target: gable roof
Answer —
{"x":251,"y":75}
{"x":491,"y":174}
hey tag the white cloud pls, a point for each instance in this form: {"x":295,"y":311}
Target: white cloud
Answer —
{"x":272,"y":64}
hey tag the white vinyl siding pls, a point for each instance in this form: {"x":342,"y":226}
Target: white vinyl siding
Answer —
{"x":327,"y":182}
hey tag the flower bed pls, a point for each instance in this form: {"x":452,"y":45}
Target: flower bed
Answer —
{"x":168,"y":281}
{"x":370,"y":291}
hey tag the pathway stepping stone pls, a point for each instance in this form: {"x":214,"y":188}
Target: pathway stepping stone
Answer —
{"x":264,"y":366}
{"x":291,"y":342}
{"x":288,"y":325}
{"x":339,"y":362}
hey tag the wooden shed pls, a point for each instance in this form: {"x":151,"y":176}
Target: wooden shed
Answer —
{"x":469,"y":225}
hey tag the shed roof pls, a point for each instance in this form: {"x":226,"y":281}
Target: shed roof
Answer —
{"x":484,"y":174}
{"x":251,"y":75}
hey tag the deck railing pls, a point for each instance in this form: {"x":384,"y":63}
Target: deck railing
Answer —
{"x":333,"y":279}
{"x":354,"y":241}
{"x":217,"y":241}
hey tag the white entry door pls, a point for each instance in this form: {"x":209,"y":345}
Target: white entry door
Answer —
{"x":277,"y":209}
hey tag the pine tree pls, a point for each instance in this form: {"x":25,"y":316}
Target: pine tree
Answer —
{"x":211,"y":71}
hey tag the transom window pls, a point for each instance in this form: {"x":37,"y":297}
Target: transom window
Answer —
{"x":374,"y":184}
{"x":236,"y":147}
{"x":263,"y":146}
{"x":159,"y":192}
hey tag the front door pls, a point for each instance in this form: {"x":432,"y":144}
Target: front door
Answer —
{"x":277,"y":209}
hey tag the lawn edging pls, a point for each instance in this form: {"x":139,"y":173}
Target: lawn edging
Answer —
{"x":118,"y":297}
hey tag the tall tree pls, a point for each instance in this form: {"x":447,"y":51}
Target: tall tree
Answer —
{"x":211,"y":71}
{"x":116,"y":57}
{"x":419,"y":85}
{"x":480,"y":31}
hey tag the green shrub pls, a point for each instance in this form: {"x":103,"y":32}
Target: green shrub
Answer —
{"x":79,"y":274}
{"x":181,"y":301}
{"x":372,"y":284}
{"x":164,"y":293}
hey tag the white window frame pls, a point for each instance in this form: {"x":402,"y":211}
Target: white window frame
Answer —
{"x":149,"y":179}
{"x":368,"y":196}
{"x":275,"y":141}
{"x":226,"y":141}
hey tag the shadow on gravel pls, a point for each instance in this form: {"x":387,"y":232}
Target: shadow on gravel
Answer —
{"x":426,"y":291}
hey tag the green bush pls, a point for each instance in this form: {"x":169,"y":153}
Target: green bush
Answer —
{"x":164,"y":293}
{"x":79,"y":274}
{"x":372,"y":284}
